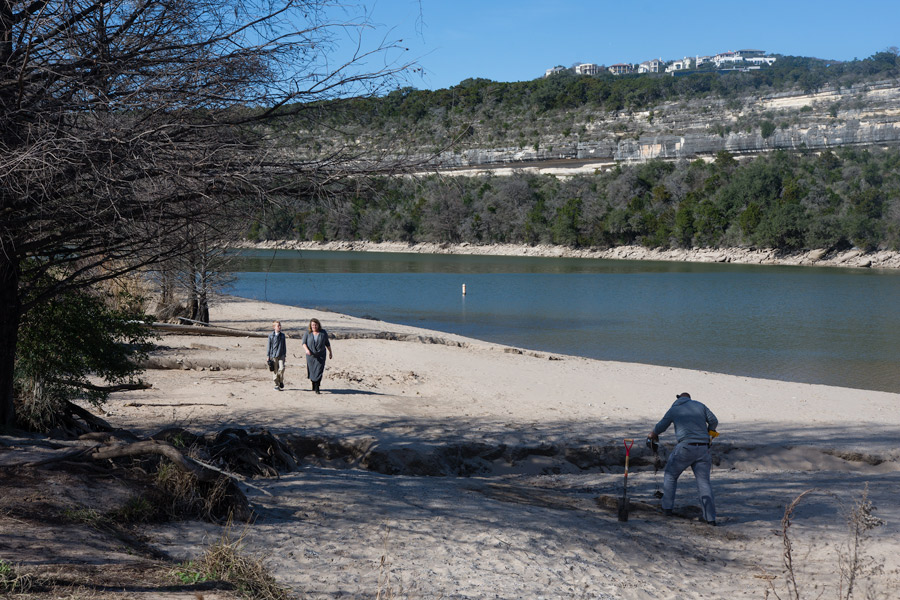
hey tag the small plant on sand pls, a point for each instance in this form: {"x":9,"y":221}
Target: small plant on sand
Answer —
{"x":225,"y":561}
{"x":190,"y":573}
{"x":854,"y":565}
{"x":136,"y":509}
{"x":390,"y":585}
{"x":385,"y":588}
{"x":83,"y":515}
{"x":12,"y":581}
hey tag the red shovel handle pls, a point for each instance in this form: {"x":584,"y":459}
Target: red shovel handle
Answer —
{"x":628,"y":444}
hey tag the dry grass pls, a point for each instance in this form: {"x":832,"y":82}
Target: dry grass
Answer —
{"x":184,"y":495}
{"x":226,"y":561}
{"x":854,"y":564}
{"x":389,"y":583}
{"x":13,"y":580}
{"x":855,"y":567}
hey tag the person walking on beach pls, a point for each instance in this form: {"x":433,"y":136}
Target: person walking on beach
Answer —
{"x":694,"y":425}
{"x":277,"y":352}
{"x":315,"y":344}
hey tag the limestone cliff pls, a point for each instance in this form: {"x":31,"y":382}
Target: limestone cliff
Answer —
{"x":862,"y":115}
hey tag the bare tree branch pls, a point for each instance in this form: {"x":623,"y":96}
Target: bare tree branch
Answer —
{"x":128,"y":126}
{"x":162,"y":449}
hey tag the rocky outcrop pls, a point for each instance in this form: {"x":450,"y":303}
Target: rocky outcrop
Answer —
{"x":866,"y":114}
{"x":816,"y":137}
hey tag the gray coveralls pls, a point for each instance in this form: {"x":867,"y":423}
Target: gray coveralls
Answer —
{"x":693,"y":420}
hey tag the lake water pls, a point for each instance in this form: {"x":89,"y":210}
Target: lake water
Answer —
{"x":817,"y":325}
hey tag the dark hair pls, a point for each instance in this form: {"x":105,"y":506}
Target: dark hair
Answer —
{"x":316,"y":321}
{"x":683,"y":395}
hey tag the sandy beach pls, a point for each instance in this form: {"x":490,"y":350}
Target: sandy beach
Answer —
{"x":540,"y":437}
{"x":437,"y":466}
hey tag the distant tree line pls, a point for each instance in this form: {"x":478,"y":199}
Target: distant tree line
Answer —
{"x":566,"y":91}
{"x":834,"y":199}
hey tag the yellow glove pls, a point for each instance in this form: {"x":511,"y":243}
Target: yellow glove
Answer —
{"x":713,"y":433}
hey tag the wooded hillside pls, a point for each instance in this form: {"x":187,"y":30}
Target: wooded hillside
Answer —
{"x":834,"y":197}
{"x":850,"y":197}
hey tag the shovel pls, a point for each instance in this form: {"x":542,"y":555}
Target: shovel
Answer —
{"x":623,"y":501}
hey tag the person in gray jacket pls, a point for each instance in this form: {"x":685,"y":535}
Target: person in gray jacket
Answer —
{"x":694,"y":425}
{"x":277,"y":352}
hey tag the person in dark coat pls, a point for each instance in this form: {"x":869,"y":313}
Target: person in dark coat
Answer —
{"x":277,"y":352}
{"x":316,"y":344}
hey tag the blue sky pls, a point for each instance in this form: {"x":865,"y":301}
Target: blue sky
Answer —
{"x":515,"y":40}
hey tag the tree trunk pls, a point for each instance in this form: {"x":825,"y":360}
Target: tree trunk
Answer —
{"x":10,"y":315}
{"x":195,"y":308}
{"x":203,"y":308}
{"x":10,"y":308}
{"x":166,"y":292}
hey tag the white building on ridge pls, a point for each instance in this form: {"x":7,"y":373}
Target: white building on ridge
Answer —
{"x":733,"y":59}
{"x":554,"y":71}
{"x":727,"y":58}
{"x":679,"y":65}
{"x":651,"y":66}
{"x":761,"y":60}
{"x":588,"y":69}
{"x":621,"y":68}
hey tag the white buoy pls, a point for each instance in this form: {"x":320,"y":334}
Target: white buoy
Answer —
{"x":464,"y":289}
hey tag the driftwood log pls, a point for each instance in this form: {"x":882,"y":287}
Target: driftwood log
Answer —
{"x":119,"y":387}
{"x":93,"y":449}
{"x":347,"y":334}
{"x":200,"y":330}
{"x":218,"y":461}
{"x":177,"y":363}
{"x":165,"y":449}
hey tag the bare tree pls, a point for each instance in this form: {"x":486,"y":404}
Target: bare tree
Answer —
{"x":125,"y":122}
{"x":200,"y":272}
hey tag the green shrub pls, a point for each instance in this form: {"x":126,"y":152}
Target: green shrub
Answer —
{"x":64,"y":343}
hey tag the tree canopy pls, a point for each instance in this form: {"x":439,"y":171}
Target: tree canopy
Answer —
{"x":124,"y":122}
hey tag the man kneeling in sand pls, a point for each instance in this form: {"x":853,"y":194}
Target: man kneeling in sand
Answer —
{"x":694,"y":424}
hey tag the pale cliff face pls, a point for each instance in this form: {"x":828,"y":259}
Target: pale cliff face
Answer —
{"x":864,"y":114}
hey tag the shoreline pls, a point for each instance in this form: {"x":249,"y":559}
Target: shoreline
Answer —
{"x":370,"y":328}
{"x":853,"y":258}
{"x":543,"y":437}
{"x":838,"y":376}
{"x":409,"y":344}
{"x":360,"y":328}
{"x":448,"y":469}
